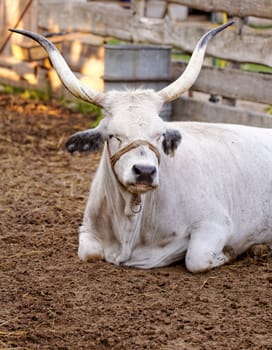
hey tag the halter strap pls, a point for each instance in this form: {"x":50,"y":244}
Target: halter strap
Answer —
{"x":116,"y":156}
{"x":136,"y":202}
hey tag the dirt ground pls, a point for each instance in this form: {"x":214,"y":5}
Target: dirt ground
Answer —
{"x":51,"y":300}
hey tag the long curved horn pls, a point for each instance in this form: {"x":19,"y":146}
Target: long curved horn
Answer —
{"x":189,"y":76}
{"x":69,"y":80}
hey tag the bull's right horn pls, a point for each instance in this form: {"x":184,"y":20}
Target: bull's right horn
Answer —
{"x":189,"y":76}
{"x":69,"y":80}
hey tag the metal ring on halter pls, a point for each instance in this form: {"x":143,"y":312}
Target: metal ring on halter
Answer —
{"x":136,"y":202}
{"x":138,"y":210}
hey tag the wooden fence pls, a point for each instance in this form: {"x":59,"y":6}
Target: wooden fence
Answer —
{"x":97,"y":21}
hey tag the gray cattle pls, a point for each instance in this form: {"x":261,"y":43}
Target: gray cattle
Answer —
{"x":168,"y":190}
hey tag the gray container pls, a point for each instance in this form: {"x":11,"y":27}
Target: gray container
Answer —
{"x":132,"y":66}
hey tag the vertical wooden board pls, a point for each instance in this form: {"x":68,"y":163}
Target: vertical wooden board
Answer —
{"x":11,"y":11}
{"x":29,"y":20}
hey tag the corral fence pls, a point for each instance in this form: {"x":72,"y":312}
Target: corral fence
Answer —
{"x":235,"y":84}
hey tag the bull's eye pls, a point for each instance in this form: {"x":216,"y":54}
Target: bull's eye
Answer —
{"x":158,"y":138}
{"x":116,"y":138}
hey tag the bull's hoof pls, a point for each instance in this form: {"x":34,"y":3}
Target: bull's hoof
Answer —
{"x":259,"y":250}
{"x":94,"y":257}
{"x":229,"y":253}
{"x":90,"y":251}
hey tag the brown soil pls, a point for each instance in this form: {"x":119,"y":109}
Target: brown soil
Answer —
{"x":51,"y":300}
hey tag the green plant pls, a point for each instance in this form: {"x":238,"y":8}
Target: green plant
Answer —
{"x":252,"y":67}
{"x":32,"y":94}
{"x":269,"y":109}
{"x":7,"y":89}
{"x":35,"y":95}
{"x":84,"y":108}
{"x":76,"y":105}
{"x":114,"y":41}
{"x":177,"y":56}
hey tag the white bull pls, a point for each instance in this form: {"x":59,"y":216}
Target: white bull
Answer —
{"x":151,"y":202}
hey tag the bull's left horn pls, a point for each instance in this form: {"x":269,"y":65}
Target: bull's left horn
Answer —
{"x":189,"y":76}
{"x":69,"y":80}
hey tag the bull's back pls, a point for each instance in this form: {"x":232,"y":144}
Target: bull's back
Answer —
{"x":228,"y":166}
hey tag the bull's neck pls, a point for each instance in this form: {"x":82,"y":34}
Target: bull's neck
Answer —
{"x":128,"y":203}
{"x":123,"y":207}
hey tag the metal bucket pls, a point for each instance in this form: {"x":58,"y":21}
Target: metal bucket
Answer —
{"x":132,"y":66}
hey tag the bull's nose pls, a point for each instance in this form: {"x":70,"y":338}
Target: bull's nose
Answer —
{"x":144,"y":173}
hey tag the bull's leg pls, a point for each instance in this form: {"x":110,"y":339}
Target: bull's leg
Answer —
{"x":89,"y":248}
{"x":207,"y":247}
{"x":260,"y":250}
{"x":146,"y":257}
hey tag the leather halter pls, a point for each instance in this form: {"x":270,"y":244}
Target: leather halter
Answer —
{"x":136,"y":203}
{"x":116,"y":156}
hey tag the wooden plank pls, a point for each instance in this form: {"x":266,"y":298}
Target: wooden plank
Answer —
{"x":58,"y":89}
{"x":32,"y":51}
{"x":189,"y":109}
{"x":120,"y":3}
{"x":92,"y":17}
{"x":59,"y":15}
{"x":22,"y":74}
{"x":251,"y":47}
{"x":17,"y":65}
{"x":240,"y":8}
{"x":11,"y":13}
{"x":84,"y":53}
{"x":27,"y":81}
{"x":231,"y":83}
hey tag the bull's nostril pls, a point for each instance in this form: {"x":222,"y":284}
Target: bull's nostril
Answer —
{"x":144,"y":173}
{"x":137,"y":169}
{"x":153,"y":171}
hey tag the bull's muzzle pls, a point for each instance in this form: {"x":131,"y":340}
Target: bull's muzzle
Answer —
{"x":144,"y":178}
{"x":144,"y":174}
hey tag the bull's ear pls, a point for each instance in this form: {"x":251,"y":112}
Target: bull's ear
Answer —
{"x":171,"y":141}
{"x":89,"y":140}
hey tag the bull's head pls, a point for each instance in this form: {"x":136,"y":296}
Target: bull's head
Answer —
{"x":134,"y":134}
